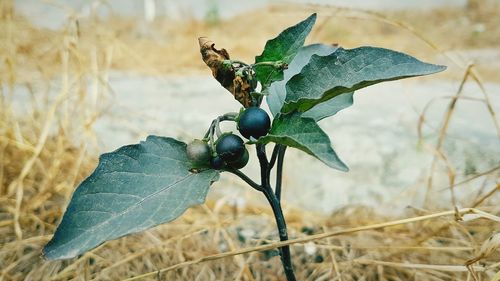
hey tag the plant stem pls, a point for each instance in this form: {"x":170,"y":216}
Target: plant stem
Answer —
{"x":274,"y":156}
{"x":245,"y":178}
{"x":286,"y":259}
{"x":278,"y":213}
{"x":274,"y":64}
{"x":279,"y":172}
{"x":238,"y":62}
{"x":217,"y":128}
{"x":264,"y":166}
{"x":231,"y":116}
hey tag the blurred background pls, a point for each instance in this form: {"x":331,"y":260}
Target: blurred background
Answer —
{"x":80,"y":78}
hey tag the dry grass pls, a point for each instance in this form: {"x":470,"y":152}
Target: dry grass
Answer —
{"x":170,"y":47}
{"x":47,"y":146}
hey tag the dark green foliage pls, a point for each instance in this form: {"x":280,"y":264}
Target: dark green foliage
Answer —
{"x":304,"y":134}
{"x":132,"y":189}
{"x":282,"y":48}
{"x":344,"y":71}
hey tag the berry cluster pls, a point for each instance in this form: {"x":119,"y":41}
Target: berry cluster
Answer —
{"x":230,"y":150}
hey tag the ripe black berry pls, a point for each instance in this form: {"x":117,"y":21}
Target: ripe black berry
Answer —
{"x":217,"y":163}
{"x":254,"y":122}
{"x":240,"y":163}
{"x":230,"y":148}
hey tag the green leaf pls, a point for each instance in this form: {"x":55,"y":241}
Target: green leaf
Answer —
{"x":132,"y":189}
{"x":304,"y":133}
{"x":282,"y":48}
{"x":329,"y":107}
{"x":276,"y":92}
{"x":348,"y":70}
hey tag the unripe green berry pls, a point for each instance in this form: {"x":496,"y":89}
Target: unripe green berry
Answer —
{"x":198,"y":152}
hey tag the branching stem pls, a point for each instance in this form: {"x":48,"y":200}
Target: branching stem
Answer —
{"x":279,"y":171}
{"x":274,"y":156}
{"x":273,"y":197}
{"x":278,"y":213}
{"x":231,"y":116}
{"x":245,"y":178}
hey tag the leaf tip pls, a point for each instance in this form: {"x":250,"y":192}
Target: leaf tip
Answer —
{"x":52,"y":250}
{"x":340,"y":166}
{"x":44,"y":254}
{"x":48,"y":252}
{"x":344,"y":168}
{"x":441,"y":67}
{"x":310,"y":21}
{"x":337,"y":165}
{"x":434,"y":68}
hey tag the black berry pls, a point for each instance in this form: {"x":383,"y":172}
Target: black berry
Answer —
{"x":254,"y":122}
{"x":240,"y":163}
{"x":217,"y":163}
{"x":230,"y":148}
